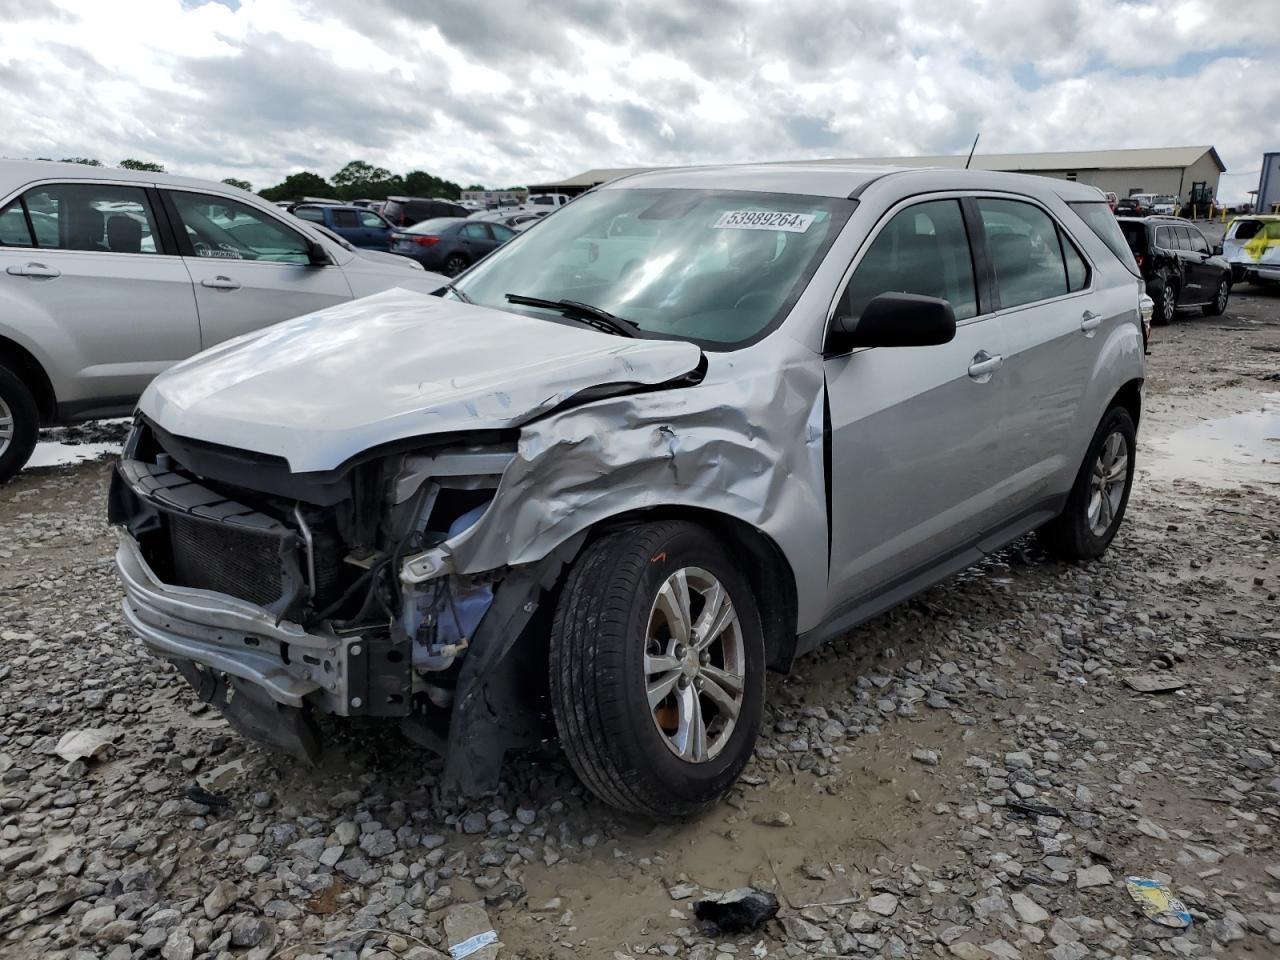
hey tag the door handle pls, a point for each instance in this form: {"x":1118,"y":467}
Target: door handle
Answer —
{"x":984,"y":365}
{"x":221,"y":283}
{"x":34,"y":270}
{"x":1090,"y":321}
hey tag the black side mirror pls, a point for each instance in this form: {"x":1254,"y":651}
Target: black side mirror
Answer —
{"x":1217,"y":249}
{"x":895,"y":320}
{"x":316,"y":254}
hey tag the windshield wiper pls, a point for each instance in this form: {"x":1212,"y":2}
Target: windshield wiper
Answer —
{"x":585,"y":312}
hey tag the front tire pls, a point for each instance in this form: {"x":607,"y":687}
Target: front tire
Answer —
{"x":657,"y":670}
{"x":1098,"y":499}
{"x":19,"y":424}
{"x":1219,"y":305}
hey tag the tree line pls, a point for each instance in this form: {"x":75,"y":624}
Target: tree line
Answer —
{"x":358,"y":180}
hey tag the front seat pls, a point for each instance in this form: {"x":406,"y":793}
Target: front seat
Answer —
{"x":124,"y":235}
{"x":84,"y":229}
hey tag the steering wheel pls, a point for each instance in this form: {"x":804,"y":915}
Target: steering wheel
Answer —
{"x":201,"y":248}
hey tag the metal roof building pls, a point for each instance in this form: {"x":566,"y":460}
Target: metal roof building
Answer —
{"x":1189,"y":173}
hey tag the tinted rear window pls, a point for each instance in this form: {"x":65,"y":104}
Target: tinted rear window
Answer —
{"x":1135,"y":234}
{"x":1097,"y":214}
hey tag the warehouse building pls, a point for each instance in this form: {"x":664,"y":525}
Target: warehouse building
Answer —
{"x":1188,"y":173}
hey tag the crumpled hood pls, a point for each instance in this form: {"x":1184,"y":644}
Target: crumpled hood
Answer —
{"x":324,"y":387}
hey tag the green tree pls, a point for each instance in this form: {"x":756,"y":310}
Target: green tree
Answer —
{"x":87,"y":161}
{"x":298,"y":185}
{"x":360,"y":179}
{"x":242,"y":184}
{"x":477,"y":186}
{"x":419,"y":183}
{"x":144,"y":165}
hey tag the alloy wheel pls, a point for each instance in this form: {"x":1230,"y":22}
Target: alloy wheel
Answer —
{"x":1107,"y":483}
{"x":1170,"y":305}
{"x":6,"y":426}
{"x":1224,"y":291}
{"x":694,"y":664}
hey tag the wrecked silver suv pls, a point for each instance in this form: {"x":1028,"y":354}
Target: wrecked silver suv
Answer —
{"x":692,"y":425}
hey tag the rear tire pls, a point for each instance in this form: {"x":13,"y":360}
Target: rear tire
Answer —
{"x":639,"y":712}
{"x":1166,"y":299}
{"x":19,"y":424}
{"x":1219,"y":305}
{"x":1099,"y":496}
{"x":455,"y":264}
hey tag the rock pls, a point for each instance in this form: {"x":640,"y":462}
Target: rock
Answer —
{"x":249,"y":931}
{"x":738,"y":911}
{"x":802,"y":930}
{"x":95,"y":919}
{"x":778,"y":818}
{"x":178,"y":946}
{"x":968,"y":951}
{"x":860,"y":922}
{"x":475,"y":822}
{"x":1028,"y":910}
{"x":1095,"y":876}
{"x":928,"y":757}
{"x":1069,"y":951}
{"x":1150,"y":828}
{"x":884,"y":904}
{"x":683,"y":891}
{"x":220,"y":899}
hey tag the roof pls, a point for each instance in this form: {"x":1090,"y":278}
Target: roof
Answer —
{"x":1143,"y":158}
{"x":14,"y":173}
{"x":846,"y":179}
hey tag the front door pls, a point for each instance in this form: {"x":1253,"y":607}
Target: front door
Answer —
{"x":84,"y":271}
{"x":916,"y":432}
{"x":249,"y":268}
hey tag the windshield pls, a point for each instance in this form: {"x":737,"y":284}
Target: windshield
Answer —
{"x":716,"y":267}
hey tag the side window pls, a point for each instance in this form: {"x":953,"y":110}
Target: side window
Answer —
{"x":223,"y":229}
{"x":1246,"y":229}
{"x":1077,"y":269}
{"x":500,"y":233}
{"x":924,"y":250}
{"x":1198,"y":243}
{"x":1025,"y":253}
{"x":314,"y":214}
{"x":1182,"y":238}
{"x":476,"y":231}
{"x":345,"y":218}
{"x":372,"y":221}
{"x":13,"y":226}
{"x":1164,"y":239}
{"x":94,"y":217}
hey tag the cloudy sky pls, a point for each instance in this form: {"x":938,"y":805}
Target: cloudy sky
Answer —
{"x":516,"y":91}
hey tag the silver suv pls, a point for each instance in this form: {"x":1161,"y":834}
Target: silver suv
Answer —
{"x":692,"y":426}
{"x":109,"y":276}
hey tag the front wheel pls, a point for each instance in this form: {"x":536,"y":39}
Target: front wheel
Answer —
{"x":657,"y":670}
{"x":1219,"y":305}
{"x":19,"y":424}
{"x":1097,"y":501}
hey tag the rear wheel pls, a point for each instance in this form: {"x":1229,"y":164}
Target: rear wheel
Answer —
{"x":1219,"y":304}
{"x":19,"y":423}
{"x":1166,"y":302}
{"x":657,"y":670}
{"x":455,"y":264}
{"x":1097,"y":502}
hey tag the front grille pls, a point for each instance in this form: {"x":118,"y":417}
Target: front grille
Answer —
{"x":211,"y":555}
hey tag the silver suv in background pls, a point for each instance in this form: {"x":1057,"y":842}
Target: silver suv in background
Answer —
{"x":108,"y":277}
{"x":694,"y":425}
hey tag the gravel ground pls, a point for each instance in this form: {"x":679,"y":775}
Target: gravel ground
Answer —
{"x":971,"y":775}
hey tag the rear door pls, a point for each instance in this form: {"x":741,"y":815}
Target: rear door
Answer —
{"x":915,"y":432}
{"x":476,"y":239}
{"x":346,"y":224}
{"x":1050,"y":327}
{"x":89,"y":275}
{"x":1192,"y":275}
{"x":250,"y":269}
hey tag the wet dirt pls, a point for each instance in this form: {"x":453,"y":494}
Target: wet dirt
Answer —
{"x":67,"y":446}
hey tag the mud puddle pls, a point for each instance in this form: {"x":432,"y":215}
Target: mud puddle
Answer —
{"x":63,"y":446}
{"x":1221,"y":452}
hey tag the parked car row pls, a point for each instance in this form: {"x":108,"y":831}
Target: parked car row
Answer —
{"x":1179,"y":267}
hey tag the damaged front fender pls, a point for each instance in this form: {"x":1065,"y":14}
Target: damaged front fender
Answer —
{"x":726,"y":445}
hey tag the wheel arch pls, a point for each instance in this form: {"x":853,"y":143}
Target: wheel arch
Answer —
{"x":1129,"y":396}
{"x":21,"y":361}
{"x":773,"y":582}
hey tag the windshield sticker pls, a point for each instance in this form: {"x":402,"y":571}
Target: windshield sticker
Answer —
{"x":764,"y":220}
{"x":220,"y":254}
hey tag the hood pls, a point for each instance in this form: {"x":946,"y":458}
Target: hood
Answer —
{"x":326,"y":386}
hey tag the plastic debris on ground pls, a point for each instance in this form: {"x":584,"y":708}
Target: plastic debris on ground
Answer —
{"x":83,"y":744}
{"x":738,"y":911}
{"x":1157,"y":903}
{"x":470,"y":933}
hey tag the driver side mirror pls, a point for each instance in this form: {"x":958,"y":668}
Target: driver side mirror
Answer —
{"x":316,"y":255}
{"x":1217,"y":249}
{"x":894,"y":320}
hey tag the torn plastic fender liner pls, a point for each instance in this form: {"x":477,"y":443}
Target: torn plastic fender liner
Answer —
{"x":728,"y":444}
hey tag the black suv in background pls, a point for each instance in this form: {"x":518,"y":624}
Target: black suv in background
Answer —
{"x":1179,"y":267}
{"x":406,"y":211}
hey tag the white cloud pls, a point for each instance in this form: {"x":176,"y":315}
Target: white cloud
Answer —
{"x":523,"y":90}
